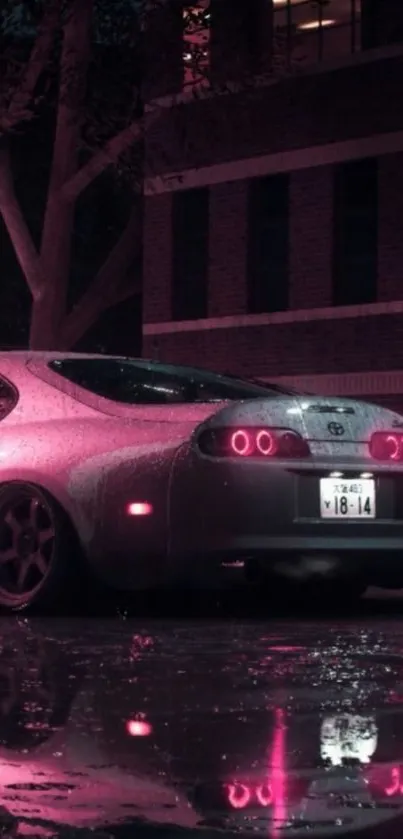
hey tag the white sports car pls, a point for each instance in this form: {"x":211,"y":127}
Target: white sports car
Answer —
{"x":150,"y":473}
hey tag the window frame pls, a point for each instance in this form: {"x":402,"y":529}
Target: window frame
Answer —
{"x":14,"y":394}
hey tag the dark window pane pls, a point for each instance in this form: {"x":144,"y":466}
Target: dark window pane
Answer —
{"x":268,"y":243}
{"x":133,"y":382}
{"x":355,"y":233}
{"x":8,"y":397}
{"x":190,"y":254}
{"x":381,"y":23}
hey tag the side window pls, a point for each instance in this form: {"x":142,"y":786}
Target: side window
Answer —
{"x":118,"y":380}
{"x":8,"y":398}
{"x":140,"y":383}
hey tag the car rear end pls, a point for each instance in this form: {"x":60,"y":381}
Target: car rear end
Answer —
{"x":299,"y":484}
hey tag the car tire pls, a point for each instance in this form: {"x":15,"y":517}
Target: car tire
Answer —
{"x":38,"y":549}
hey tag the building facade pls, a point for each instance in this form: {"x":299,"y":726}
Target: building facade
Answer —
{"x":273,"y":224}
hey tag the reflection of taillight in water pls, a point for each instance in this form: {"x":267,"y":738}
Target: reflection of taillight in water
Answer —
{"x":272,"y":792}
{"x":239,"y":795}
{"x":264,"y":795}
{"x":396,"y":783}
{"x":253,"y":795}
{"x":278,"y":772}
{"x":244,"y":795}
{"x":386,"y":781}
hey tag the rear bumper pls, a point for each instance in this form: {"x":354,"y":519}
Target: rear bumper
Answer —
{"x":222,"y":512}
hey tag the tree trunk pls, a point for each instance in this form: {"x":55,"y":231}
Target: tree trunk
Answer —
{"x":42,"y":335}
{"x":48,"y":312}
{"x":17,"y":228}
{"x":111,"y":284}
{"x":59,"y":214}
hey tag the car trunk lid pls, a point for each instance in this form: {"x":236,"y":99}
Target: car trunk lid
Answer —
{"x":338,"y":420}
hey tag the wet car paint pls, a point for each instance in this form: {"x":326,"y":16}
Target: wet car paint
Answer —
{"x":277,"y":729}
{"x":99,"y":458}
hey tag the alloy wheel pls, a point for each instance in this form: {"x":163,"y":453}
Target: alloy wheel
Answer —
{"x":27,"y":541}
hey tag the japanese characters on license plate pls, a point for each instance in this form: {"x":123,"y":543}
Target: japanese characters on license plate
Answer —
{"x":347,"y":499}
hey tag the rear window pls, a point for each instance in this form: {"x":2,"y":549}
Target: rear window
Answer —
{"x":133,"y":382}
{"x":8,"y":397}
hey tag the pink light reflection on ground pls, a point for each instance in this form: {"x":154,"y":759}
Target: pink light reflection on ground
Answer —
{"x":278,"y":774}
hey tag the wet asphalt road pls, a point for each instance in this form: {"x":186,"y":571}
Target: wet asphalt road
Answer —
{"x":281,"y":726}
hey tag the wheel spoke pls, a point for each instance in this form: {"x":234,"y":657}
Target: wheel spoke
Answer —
{"x":34,"y":508}
{"x":27,"y":535}
{"x":24,"y":567}
{"x":13,"y":523}
{"x":7,"y":555}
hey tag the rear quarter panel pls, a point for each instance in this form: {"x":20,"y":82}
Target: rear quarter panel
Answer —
{"x":94,"y":468}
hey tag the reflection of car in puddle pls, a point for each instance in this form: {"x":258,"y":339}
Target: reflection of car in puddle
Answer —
{"x":52,"y":767}
{"x":346,"y":791}
{"x":96,"y":751}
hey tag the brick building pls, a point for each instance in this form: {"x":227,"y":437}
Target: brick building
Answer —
{"x":273,"y":227}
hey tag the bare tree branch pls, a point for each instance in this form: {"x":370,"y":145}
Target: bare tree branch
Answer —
{"x":21,"y":106}
{"x":108,"y":155}
{"x":18,"y":231}
{"x":106,"y":290}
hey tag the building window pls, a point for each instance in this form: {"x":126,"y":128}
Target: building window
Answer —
{"x":355,"y":232}
{"x":190,"y":254}
{"x":268,"y":244}
{"x":310,"y":31}
{"x":381,"y":23}
{"x":196,"y":43}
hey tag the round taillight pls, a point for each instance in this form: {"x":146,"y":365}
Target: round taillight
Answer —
{"x":252,"y":441}
{"x":265,"y":443}
{"x":241,"y":443}
{"x":393,"y":446}
{"x":386,"y":446}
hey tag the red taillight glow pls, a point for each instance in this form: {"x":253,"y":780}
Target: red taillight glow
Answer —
{"x":242,"y":795}
{"x":239,"y":796}
{"x":264,"y":795}
{"x":265,"y":443}
{"x":139,"y":508}
{"x":241,"y":443}
{"x":386,"y":445}
{"x":253,"y":442}
{"x":138,"y":728}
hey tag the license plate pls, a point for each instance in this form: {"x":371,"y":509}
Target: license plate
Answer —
{"x":347,"y":499}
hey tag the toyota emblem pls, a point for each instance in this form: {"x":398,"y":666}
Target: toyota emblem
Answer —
{"x":336,"y":429}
